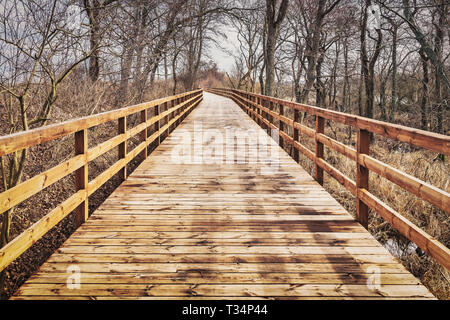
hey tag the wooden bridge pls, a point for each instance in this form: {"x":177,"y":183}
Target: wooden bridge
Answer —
{"x":206,"y":217}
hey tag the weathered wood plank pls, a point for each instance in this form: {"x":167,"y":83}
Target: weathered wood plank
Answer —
{"x":223,"y":258}
{"x":188,"y":290}
{"x":225,"y":277}
{"x":225,"y":242}
{"x":222,"y":235}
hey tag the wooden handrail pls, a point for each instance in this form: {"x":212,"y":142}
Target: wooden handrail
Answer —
{"x":26,"y":139}
{"x":256,"y":106}
{"x":182,"y":104}
{"x":419,"y":138}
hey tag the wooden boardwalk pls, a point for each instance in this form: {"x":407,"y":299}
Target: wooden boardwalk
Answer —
{"x":202,"y":229}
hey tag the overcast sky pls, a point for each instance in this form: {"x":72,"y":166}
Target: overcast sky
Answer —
{"x":223,"y":59}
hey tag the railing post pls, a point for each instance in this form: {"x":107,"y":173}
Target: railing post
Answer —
{"x":250,"y":108}
{"x":183,"y":100}
{"x":257,"y":110}
{"x":175,"y":113}
{"x":81,"y":176}
{"x":184,"y":108}
{"x":260,"y":112}
{"x":320,"y":128}
{"x":144,"y":135}
{"x":158,"y":123}
{"x":167,"y":117}
{"x":253,"y":108}
{"x":245,"y":104}
{"x":362,"y":176}
{"x":281,"y":113}
{"x":270,"y":107}
{"x":247,"y":107}
{"x":266,"y":115}
{"x":171,"y":115}
{"x":175,"y":123}
{"x":295,"y":135}
{"x":122,"y":126}
{"x":192,"y":95}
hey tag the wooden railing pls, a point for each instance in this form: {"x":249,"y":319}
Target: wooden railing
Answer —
{"x":170,"y":111}
{"x":260,"y":108}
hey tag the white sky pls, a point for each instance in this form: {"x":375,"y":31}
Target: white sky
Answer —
{"x":223,"y":59}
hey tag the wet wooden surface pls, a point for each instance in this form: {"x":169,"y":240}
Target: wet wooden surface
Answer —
{"x":204,"y":218}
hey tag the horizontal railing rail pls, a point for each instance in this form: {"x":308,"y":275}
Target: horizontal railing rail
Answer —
{"x":260,"y":108}
{"x":170,"y":109}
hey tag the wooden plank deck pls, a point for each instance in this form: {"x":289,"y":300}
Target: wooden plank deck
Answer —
{"x":233,"y":230}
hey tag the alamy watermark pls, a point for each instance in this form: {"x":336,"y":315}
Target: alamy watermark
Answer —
{"x":227,"y":146}
{"x":374,"y":279}
{"x":73,"y":17}
{"x":74,"y":277}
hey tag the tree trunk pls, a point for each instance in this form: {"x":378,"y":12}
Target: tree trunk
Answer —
{"x":261,"y":79}
{"x":346,"y":85}
{"x":270,"y":60}
{"x":125,"y":71}
{"x":93,"y":12}
{"x":394,"y":93}
{"x":273,"y":24}
{"x":368,"y":64}
{"x":319,"y":86}
{"x":438,"y":49}
{"x":383,"y":106}
{"x":313,"y":43}
{"x":421,"y":38}
{"x":424,"y":101}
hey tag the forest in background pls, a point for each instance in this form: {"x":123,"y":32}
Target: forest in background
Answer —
{"x":387,"y":60}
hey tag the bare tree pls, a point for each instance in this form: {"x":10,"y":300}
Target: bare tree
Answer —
{"x":424,"y":99}
{"x":36,"y":56}
{"x":442,"y":8}
{"x":313,"y":15}
{"x":368,"y":62}
{"x":95,"y":10}
{"x":249,"y":50}
{"x":274,"y":17}
{"x":426,"y":40}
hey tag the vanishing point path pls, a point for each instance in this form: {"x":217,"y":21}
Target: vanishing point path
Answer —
{"x":194,"y":226}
